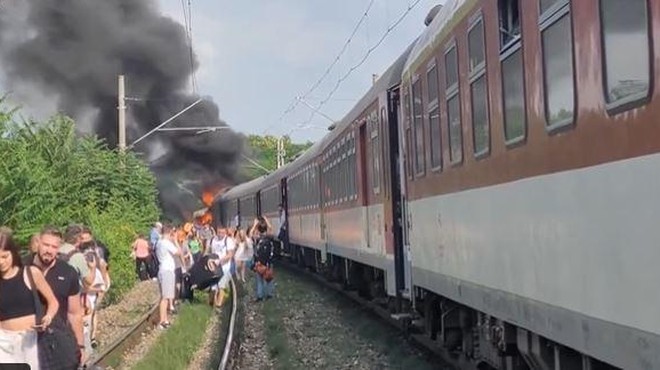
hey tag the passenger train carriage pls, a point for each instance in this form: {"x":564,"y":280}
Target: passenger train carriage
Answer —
{"x":499,"y":183}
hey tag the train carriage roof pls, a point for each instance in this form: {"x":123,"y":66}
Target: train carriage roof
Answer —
{"x":441,"y":25}
{"x":390,"y":78}
{"x":244,"y":189}
{"x":409,"y":59}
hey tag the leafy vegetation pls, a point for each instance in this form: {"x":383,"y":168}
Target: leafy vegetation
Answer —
{"x":175,"y":348}
{"x":263,"y":149}
{"x":51,"y":175}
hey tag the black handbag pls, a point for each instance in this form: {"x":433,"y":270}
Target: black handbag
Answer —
{"x":58,"y":347}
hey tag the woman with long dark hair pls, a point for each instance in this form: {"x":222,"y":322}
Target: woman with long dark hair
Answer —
{"x":18,"y":307}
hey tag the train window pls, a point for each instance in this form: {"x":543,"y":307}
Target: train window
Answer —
{"x":432,"y":83}
{"x":558,"y":65}
{"x":625,"y":34}
{"x":436,"y":139}
{"x":453,"y":106}
{"x":513,"y":92}
{"x":549,"y":4}
{"x":455,"y":135}
{"x":510,"y":27}
{"x":481,"y":130}
{"x":375,"y":156}
{"x":476,"y":46}
{"x":478,"y":89}
{"x":418,"y":123}
{"x":451,"y":68}
{"x":434,"y":117}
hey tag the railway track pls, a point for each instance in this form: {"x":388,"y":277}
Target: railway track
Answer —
{"x":111,"y":356}
{"x":405,"y":325}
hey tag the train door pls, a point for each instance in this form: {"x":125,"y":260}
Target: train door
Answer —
{"x":285,"y":208}
{"x":398,"y":201}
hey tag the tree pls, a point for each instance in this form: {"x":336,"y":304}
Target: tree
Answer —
{"x":263,"y":150}
{"x":50,"y":175}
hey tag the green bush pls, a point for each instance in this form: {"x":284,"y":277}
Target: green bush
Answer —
{"x":51,"y":175}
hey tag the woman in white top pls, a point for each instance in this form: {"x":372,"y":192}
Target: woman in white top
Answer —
{"x":244,"y":253}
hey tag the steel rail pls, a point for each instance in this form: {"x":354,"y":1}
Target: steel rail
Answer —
{"x":232,"y":323}
{"x":120,"y":344}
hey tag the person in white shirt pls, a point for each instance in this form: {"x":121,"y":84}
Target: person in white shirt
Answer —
{"x":244,"y":253}
{"x":166,"y":251}
{"x":224,"y":246}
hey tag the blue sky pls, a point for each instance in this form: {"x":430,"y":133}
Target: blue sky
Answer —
{"x":256,"y":57}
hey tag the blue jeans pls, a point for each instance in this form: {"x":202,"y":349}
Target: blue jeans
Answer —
{"x":264,"y":287}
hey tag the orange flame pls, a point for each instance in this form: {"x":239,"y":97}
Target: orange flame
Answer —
{"x":208,"y":196}
{"x":206,"y":218}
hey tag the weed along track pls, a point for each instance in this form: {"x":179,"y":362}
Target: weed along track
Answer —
{"x":178,"y":347}
{"x":307,"y":326}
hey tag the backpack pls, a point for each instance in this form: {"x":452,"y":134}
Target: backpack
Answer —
{"x":264,"y":250}
{"x":67,"y":256}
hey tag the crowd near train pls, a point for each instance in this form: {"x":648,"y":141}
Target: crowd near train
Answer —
{"x":496,"y":187}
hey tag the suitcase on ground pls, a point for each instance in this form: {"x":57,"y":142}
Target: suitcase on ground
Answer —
{"x":200,"y":275}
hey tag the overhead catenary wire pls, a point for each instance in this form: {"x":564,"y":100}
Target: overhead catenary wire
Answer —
{"x":366,"y":56}
{"x":343,"y":77}
{"x":295,"y":101}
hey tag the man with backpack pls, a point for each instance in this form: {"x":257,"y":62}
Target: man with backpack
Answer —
{"x":264,"y":252}
{"x":70,"y":252}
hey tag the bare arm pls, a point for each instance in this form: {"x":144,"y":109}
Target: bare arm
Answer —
{"x":270,"y":227}
{"x":88,"y":280}
{"x":75,"y":316}
{"x":45,"y":290}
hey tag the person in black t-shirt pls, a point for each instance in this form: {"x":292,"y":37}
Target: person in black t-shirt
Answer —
{"x":63,"y":280}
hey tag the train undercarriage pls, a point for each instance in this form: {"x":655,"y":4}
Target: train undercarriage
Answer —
{"x":469,"y":337}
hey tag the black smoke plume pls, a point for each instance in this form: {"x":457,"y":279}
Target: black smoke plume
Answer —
{"x":67,"y":54}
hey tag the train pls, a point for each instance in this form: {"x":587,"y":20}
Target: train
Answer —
{"x":497,"y":186}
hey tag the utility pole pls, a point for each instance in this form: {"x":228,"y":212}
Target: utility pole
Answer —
{"x":280,"y":151}
{"x":121,"y":108}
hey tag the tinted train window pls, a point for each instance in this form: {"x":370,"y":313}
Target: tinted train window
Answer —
{"x":480,"y":115}
{"x":548,"y":4}
{"x":451,"y":67}
{"x":514,"y":96}
{"x":558,"y":66}
{"x":434,"y":117}
{"x":436,"y":140}
{"x":509,"y":14}
{"x":625,"y":49}
{"x":476,"y":45}
{"x":418,"y":124}
{"x":478,"y":89}
{"x":432,"y":83}
{"x":375,"y":151}
{"x":453,"y":106}
{"x":455,"y":135}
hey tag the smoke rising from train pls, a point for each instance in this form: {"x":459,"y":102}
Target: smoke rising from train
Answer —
{"x":66,"y":55}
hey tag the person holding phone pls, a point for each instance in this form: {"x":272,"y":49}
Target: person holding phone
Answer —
{"x":18,"y":307}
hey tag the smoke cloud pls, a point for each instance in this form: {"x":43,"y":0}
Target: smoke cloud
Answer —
{"x":66,"y":55}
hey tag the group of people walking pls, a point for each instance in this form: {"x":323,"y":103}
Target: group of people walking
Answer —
{"x":49,"y":297}
{"x":230,"y":251}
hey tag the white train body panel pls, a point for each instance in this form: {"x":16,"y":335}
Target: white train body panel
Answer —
{"x":583,"y":240}
{"x":305,"y":230}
